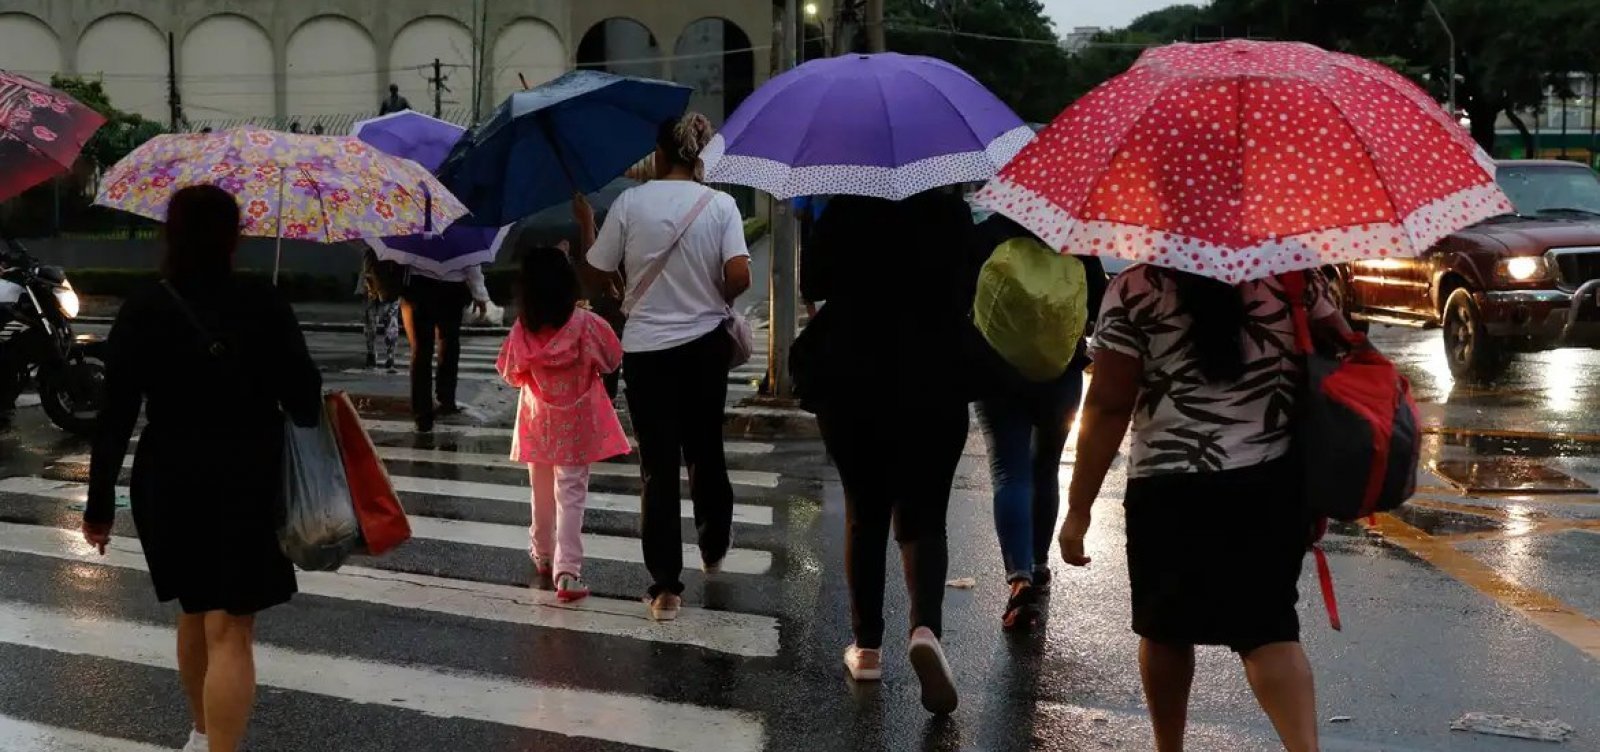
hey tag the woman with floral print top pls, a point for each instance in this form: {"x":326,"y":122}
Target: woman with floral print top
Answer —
{"x":1207,"y":374}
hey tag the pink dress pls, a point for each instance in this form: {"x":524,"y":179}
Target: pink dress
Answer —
{"x":564,"y":416}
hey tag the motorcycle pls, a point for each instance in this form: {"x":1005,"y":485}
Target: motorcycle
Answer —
{"x":37,"y":344}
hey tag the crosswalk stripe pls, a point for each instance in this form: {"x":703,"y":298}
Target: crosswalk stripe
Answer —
{"x":17,"y":735}
{"x":751,"y":478}
{"x":595,"y":546}
{"x":486,"y":432}
{"x":721,"y":631}
{"x":514,"y":537}
{"x":748,"y":514}
{"x":754,"y":478}
{"x":625,"y":719}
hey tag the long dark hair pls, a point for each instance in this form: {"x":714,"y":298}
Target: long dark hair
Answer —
{"x":202,"y":233}
{"x":547,"y":290}
{"x":1216,"y":332}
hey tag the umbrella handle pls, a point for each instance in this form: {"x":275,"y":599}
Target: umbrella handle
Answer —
{"x":277,"y":259}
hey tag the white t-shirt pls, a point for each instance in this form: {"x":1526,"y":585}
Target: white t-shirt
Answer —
{"x":685,"y":302}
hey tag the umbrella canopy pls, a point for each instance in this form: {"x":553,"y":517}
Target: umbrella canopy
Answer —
{"x":889,"y":126}
{"x":1240,"y":160}
{"x":409,"y":134}
{"x":325,"y":189}
{"x":42,"y":131}
{"x":576,"y":133}
{"x":427,"y":141}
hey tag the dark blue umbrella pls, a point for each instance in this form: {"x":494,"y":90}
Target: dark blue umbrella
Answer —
{"x":576,"y":133}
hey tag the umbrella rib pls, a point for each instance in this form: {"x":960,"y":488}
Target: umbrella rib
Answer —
{"x":1372,"y":159}
{"x":1116,"y":148}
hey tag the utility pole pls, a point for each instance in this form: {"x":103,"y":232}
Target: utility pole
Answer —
{"x":783,"y":292}
{"x":876,"y":39}
{"x":174,"y":102}
{"x":437,"y":82}
{"x":1451,"y":37}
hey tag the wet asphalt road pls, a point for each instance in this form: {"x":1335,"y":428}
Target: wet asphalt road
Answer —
{"x":1465,"y":602}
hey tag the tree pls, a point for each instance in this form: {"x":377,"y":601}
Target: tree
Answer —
{"x":1010,"y":46}
{"x":123,"y":131}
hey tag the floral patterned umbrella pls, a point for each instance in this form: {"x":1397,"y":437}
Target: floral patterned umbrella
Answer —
{"x":326,"y":189}
{"x":1240,"y":160}
{"x":42,"y":131}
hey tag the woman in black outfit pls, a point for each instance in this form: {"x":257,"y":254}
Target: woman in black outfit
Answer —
{"x":215,"y":361}
{"x":892,"y":404}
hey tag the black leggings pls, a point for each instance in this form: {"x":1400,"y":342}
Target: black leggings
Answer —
{"x":676,"y":399}
{"x":896,"y":466}
{"x":432,"y":312}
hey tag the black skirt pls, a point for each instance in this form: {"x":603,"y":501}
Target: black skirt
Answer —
{"x":1214,"y":558}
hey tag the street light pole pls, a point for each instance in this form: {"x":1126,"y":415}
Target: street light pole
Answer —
{"x":1451,"y":37}
{"x":784,"y":292}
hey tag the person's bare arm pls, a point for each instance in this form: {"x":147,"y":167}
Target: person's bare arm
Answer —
{"x":583,"y":216}
{"x":1106,"y":413}
{"x":735,"y":277}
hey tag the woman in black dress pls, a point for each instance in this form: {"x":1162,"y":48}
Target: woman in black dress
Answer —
{"x":215,"y":361}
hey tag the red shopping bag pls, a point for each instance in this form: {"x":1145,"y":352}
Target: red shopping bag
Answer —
{"x":383,"y":520}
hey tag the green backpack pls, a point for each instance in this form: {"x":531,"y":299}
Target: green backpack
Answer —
{"x":1032,"y":305}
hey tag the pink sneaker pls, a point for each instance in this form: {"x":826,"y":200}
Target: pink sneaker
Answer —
{"x":864,"y":664}
{"x":570,"y":587}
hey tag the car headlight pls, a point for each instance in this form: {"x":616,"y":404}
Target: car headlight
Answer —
{"x":68,"y":300}
{"x":1523,"y":269}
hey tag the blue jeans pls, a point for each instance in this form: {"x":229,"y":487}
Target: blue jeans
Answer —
{"x":1026,"y":430}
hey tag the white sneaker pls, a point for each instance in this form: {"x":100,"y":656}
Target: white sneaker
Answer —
{"x":197,"y":742}
{"x":664,"y":607}
{"x":938,"y":686}
{"x":864,"y":664}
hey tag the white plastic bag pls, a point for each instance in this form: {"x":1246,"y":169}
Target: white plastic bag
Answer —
{"x":493,"y":315}
{"x":319,"y":526}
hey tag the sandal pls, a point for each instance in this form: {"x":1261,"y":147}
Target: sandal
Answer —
{"x":1022,"y":610}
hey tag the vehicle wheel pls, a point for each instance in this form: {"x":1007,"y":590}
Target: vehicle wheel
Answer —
{"x":73,"y":400}
{"x":1472,"y":354}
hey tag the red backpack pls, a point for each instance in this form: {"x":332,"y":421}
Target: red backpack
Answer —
{"x":1357,"y":432}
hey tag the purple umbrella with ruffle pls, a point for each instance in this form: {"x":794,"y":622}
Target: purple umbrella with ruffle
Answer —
{"x":427,"y":141}
{"x":888,"y":125}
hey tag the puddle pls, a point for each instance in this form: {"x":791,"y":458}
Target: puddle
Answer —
{"x":1519,"y":445}
{"x":1434,"y":521}
{"x":1507,"y":475}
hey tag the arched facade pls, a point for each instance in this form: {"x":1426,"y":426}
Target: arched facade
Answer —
{"x":129,"y":54}
{"x":268,"y":61}
{"x":714,"y":56}
{"x":527,"y":49}
{"x":228,"y":71}
{"x":411,"y":57}
{"x":29,"y":46}
{"x":331,"y":69}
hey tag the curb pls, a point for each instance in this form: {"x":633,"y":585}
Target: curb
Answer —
{"x":334,"y":327}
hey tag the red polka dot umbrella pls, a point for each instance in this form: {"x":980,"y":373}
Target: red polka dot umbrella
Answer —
{"x":1240,"y":160}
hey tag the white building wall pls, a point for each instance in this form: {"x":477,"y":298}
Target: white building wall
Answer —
{"x":28,"y":47}
{"x":411,"y":61}
{"x":227,"y":70}
{"x":528,"y":47}
{"x":129,"y":55}
{"x":332,"y":70}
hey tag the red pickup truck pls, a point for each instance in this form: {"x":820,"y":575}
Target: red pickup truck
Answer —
{"x":1521,"y":282}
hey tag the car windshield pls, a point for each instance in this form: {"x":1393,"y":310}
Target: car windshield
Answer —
{"x":1551,"y":189}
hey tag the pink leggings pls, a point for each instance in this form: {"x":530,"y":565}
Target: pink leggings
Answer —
{"x":559,"y":494}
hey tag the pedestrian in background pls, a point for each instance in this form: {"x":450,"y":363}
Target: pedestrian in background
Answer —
{"x":683,"y":246}
{"x":895,"y":381}
{"x":1216,"y":528}
{"x":205,"y":483}
{"x":394,"y":102}
{"x":379,"y":287}
{"x":432,"y":306}
{"x":556,"y":355}
{"x":1026,"y":424}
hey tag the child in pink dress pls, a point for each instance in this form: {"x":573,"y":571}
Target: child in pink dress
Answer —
{"x":556,"y":355}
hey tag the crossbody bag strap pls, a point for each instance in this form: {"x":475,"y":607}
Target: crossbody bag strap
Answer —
{"x":659,"y":263}
{"x":213,"y":345}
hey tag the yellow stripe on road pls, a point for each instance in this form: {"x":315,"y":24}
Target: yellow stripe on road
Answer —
{"x":1552,"y":615}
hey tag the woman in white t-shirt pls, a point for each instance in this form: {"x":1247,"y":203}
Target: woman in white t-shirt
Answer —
{"x":675,"y":351}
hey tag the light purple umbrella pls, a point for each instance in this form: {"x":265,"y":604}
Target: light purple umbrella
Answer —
{"x":427,"y":141}
{"x":888,"y":125}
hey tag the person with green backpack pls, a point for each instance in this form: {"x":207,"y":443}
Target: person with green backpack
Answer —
{"x":1033,"y":308}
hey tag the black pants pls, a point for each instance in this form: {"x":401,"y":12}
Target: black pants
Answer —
{"x":896,"y":465}
{"x":676,"y":399}
{"x":433,"y":309}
